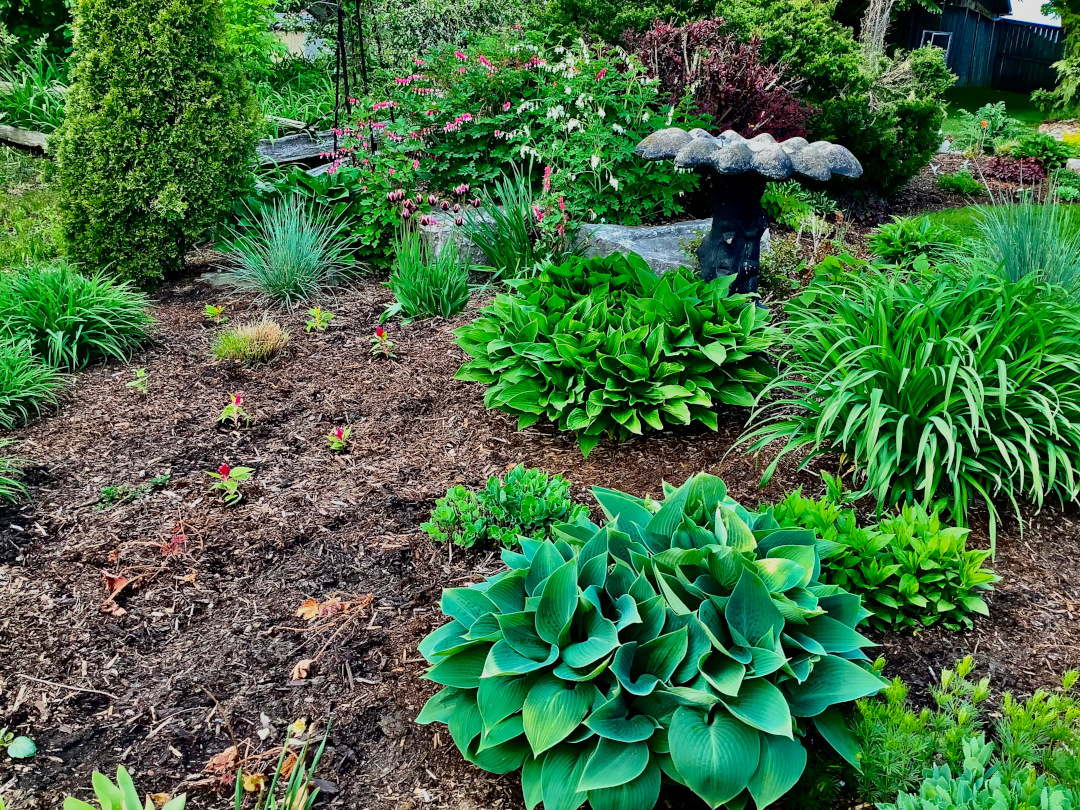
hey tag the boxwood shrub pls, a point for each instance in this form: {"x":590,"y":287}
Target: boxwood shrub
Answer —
{"x":687,"y":640}
{"x":602,"y":347}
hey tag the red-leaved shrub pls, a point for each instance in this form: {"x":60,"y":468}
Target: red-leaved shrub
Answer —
{"x":1012,"y":170}
{"x":728,"y":81}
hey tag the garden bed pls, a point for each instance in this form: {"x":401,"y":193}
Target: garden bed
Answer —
{"x":138,"y":681}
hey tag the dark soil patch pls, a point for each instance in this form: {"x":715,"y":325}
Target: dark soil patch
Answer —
{"x":136,"y":682}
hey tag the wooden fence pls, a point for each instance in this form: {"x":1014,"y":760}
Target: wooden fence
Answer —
{"x":987,"y":51}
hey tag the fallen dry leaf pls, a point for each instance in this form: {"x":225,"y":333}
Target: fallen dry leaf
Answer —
{"x":333,"y":606}
{"x":161,"y":799}
{"x":223,"y":762}
{"x":302,"y":669}
{"x":113,"y":609}
{"x":173,"y":546}
{"x":309,"y":610}
{"x":114,"y":583}
{"x":288,"y":764}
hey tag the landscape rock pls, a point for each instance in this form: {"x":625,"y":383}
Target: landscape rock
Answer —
{"x":1073,"y":165}
{"x":294,"y":148}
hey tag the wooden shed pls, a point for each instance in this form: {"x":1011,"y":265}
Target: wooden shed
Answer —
{"x":983,"y":47}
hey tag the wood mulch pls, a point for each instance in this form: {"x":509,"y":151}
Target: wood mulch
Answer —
{"x":199,"y":645}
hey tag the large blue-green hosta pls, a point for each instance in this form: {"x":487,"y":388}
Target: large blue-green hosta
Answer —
{"x":688,"y":639}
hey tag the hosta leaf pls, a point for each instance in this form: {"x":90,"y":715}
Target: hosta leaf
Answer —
{"x":440,"y":707}
{"x":552,"y":710}
{"x":763,"y":706}
{"x":466,"y":604}
{"x":602,"y":640}
{"x":504,"y":660}
{"x":832,"y":680}
{"x":562,"y":771}
{"x":500,"y":697}
{"x":715,"y":758}
{"x":834,"y":728}
{"x":614,"y":763}
{"x":558,"y":602}
{"x":750,"y":612}
{"x":519,"y":631}
{"x":462,"y":669}
{"x":643,"y":793}
{"x":502,"y":758}
{"x":781,"y":765}
{"x":611,"y":720}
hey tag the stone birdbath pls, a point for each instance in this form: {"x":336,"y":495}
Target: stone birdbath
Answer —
{"x":739,"y":169}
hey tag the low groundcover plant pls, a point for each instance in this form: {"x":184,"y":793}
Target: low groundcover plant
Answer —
{"x":687,"y":640}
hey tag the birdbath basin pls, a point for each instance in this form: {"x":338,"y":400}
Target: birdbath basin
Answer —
{"x":739,"y":168}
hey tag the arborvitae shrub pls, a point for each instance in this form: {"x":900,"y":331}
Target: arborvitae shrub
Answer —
{"x":158,"y":136}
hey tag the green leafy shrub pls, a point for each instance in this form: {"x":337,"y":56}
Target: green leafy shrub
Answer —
{"x":933,"y":385}
{"x":158,"y":134}
{"x":978,"y":131}
{"x":960,"y":182}
{"x":1044,"y":147}
{"x":70,"y":318}
{"x":120,"y":796}
{"x":26,"y":383}
{"x":526,"y":504}
{"x":903,"y":240}
{"x":365,"y":200}
{"x":909,"y":569}
{"x":609,"y":20}
{"x":251,"y":344}
{"x":790,"y":204}
{"x":289,"y":255}
{"x":1034,"y":740}
{"x":604,"y":347}
{"x":427,"y":284}
{"x":896,"y":741}
{"x":1067,"y":193}
{"x":576,"y":114}
{"x":686,"y":640}
{"x":1032,"y":240}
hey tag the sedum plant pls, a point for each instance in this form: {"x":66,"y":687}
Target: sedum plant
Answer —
{"x":688,"y":640}
{"x":910,"y":570}
{"x":120,"y":796}
{"x":526,"y":504}
{"x":602,"y":347}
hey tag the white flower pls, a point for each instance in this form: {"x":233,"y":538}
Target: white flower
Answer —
{"x":645,"y":116}
{"x":618,"y":130}
{"x":613,"y":182}
{"x":600,"y":112}
{"x":595,"y":161}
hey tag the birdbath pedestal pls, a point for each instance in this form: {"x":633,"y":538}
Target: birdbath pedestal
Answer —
{"x":739,"y":169}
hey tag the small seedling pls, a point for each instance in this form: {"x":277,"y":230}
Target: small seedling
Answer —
{"x":216,"y":314}
{"x":17,"y":747}
{"x":160,"y":481}
{"x":233,"y":412}
{"x":338,"y":438}
{"x":320,"y":319}
{"x":228,"y":480}
{"x":114,"y":494}
{"x":141,"y":383}
{"x":382,"y":345}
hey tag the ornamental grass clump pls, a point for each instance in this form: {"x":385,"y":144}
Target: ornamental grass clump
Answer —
{"x":72,"y":318}
{"x":26,"y":383}
{"x":688,"y":640}
{"x":934,"y":385}
{"x":287,"y":254}
{"x":251,"y":344}
{"x":426,"y":283}
{"x":602,"y":347}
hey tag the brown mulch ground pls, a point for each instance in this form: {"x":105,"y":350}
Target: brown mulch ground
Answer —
{"x":199,"y":646}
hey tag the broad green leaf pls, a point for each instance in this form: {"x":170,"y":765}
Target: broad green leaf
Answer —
{"x":558,"y":601}
{"x":832,"y":680}
{"x":552,"y":711}
{"x":614,"y":763}
{"x":715,"y":758}
{"x":462,"y":669}
{"x":763,"y":706}
{"x":643,"y":793}
{"x":563,"y":767}
{"x":781,"y":765}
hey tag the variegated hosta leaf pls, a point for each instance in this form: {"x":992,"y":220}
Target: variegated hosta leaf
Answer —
{"x":686,"y":639}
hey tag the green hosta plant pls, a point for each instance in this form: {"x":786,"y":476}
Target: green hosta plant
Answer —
{"x":528,"y":503}
{"x":909,"y":569}
{"x":687,"y":640}
{"x":602,"y":347}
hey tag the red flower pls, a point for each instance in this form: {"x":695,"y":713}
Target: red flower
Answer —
{"x":224,"y":470}
{"x":380,"y":333}
{"x":339,"y":433}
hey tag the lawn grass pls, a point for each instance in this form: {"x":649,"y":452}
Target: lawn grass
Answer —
{"x":962,"y":220}
{"x":28,"y":221}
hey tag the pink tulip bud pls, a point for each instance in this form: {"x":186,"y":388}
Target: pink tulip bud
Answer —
{"x":459,"y":221}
